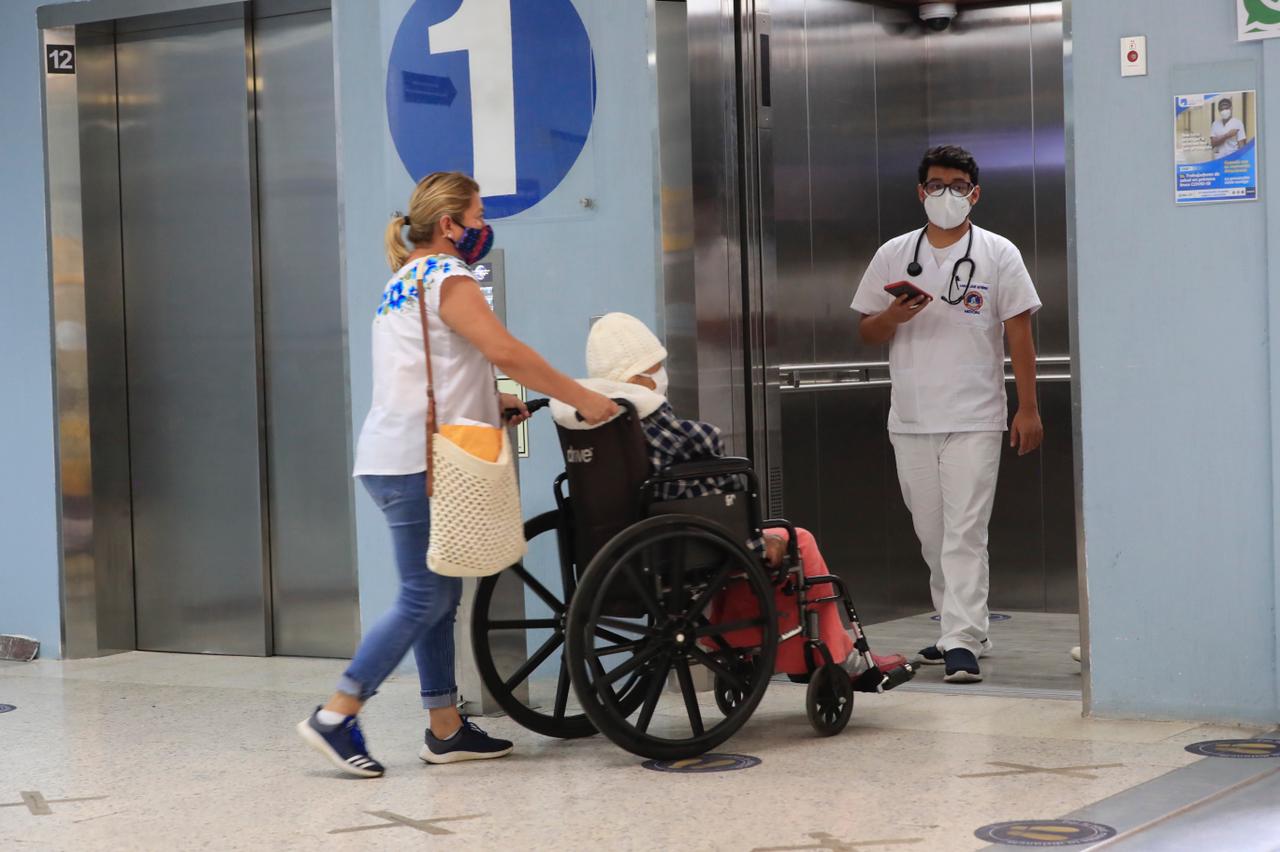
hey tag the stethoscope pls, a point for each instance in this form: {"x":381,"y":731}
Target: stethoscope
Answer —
{"x":914,"y":268}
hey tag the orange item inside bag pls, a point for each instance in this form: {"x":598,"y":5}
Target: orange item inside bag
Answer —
{"x":483,"y":442}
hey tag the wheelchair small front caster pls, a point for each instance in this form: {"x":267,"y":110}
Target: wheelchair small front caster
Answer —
{"x":829,"y":700}
{"x":730,"y":695}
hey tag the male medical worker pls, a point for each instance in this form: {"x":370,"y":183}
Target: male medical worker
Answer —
{"x":1227,"y":133}
{"x":948,"y":411}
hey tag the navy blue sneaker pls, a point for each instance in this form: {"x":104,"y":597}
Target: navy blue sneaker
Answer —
{"x":342,"y":743}
{"x":962,"y":666}
{"x":930,"y":656}
{"x":469,"y":743}
{"x":933,"y":656}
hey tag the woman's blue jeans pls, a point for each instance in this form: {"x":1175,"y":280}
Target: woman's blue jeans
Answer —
{"x":424,"y":611}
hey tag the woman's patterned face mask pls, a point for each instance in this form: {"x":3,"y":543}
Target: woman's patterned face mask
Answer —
{"x":474,"y":244}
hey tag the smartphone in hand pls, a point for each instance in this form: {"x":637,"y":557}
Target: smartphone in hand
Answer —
{"x":906,"y":288}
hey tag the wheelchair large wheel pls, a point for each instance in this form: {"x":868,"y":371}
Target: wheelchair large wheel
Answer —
{"x":667,"y":570}
{"x":537,"y":705}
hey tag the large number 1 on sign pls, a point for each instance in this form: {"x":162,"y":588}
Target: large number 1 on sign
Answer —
{"x":482,"y":28}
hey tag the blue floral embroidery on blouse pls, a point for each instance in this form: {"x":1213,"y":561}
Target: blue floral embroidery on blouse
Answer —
{"x":398,"y":297}
{"x":402,"y":295}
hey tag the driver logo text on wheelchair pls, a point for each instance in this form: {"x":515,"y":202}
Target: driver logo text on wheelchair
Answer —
{"x":666,"y":564}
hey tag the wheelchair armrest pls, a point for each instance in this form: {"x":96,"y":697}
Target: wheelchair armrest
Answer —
{"x":707,"y":467}
{"x":793,"y":543}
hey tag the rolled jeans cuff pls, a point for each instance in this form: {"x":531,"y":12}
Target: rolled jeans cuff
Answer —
{"x":348,"y":685}
{"x":439,"y":700}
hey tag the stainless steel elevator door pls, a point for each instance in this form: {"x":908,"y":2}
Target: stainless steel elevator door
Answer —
{"x":858,"y":93}
{"x":192,"y":340}
{"x":312,"y":551}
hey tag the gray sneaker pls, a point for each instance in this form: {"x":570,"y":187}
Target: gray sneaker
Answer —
{"x":469,"y":743}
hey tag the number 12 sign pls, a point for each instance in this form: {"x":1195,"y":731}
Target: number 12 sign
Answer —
{"x":503,"y":90}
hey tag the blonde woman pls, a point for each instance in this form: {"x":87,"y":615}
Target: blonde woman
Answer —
{"x":448,"y":233}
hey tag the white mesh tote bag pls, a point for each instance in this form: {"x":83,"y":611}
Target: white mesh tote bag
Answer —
{"x":476,"y":524}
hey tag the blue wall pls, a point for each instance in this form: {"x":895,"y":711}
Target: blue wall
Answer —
{"x":29,"y":600}
{"x":1177,"y":376}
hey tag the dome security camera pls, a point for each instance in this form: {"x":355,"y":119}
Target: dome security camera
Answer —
{"x":938,"y":16}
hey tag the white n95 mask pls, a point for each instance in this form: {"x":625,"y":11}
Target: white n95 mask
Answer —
{"x":947,"y":211}
{"x":1225,"y":114}
{"x":661,"y":381}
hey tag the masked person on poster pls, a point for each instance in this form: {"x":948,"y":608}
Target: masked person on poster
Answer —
{"x":1227,"y":133}
{"x":944,"y":298}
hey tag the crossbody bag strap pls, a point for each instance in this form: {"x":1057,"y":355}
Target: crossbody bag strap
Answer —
{"x":432,"y":427}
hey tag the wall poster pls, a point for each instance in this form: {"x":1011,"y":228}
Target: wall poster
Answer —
{"x":1215,"y":143}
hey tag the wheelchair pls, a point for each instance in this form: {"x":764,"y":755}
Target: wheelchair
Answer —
{"x":648,"y":593}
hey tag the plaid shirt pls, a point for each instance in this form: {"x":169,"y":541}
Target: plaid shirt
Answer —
{"x":674,"y":441}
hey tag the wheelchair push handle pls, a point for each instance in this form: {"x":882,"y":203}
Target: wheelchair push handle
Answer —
{"x":533,"y":405}
{"x":625,"y":403}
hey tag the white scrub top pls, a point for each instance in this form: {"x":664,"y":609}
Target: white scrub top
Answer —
{"x":947,"y":364}
{"x":1229,"y":146}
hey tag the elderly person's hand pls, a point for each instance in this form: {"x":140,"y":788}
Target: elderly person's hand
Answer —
{"x":775,"y":550}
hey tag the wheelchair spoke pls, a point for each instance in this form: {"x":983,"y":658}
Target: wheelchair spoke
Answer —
{"x":625,"y":626}
{"x":702,"y":622}
{"x":713,"y":630}
{"x":530,"y":624}
{"x":716,"y":584}
{"x":610,"y":635}
{"x":690,"y":696}
{"x":610,"y":650}
{"x":643,"y":589}
{"x":522,"y":673}
{"x":618,"y":673}
{"x":562,"y":689}
{"x":679,"y":591}
{"x":654,"y":693}
{"x":718,"y":668}
{"x":537,"y":587}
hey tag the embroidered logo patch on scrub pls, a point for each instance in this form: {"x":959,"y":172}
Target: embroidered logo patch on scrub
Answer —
{"x":973,"y":302}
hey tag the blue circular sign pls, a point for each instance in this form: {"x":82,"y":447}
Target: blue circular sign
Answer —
{"x":503,"y":90}
{"x":705,"y":763}
{"x":1238,"y":749}
{"x":1042,"y":833}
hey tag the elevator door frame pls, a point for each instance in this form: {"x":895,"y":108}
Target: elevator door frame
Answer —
{"x":731,"y":127}
{"x":96,"y":567}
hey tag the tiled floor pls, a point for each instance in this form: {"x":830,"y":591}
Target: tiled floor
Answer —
{"x":153,"y":751}
{"x":1031,"y":651}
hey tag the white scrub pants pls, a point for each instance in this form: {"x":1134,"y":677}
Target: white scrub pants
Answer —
{"x":949,"y":484}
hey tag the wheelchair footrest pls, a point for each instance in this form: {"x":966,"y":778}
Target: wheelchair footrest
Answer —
{"x":876,"y":680}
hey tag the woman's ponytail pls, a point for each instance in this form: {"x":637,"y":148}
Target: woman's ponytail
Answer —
{"x":397,"y":250}
{"x":436,"y":196}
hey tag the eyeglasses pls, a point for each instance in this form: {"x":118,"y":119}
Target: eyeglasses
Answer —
{"x":960,"y":188}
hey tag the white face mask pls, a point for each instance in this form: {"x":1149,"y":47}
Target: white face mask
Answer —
{"x":661,"y":381}
{"x":1226,"y":114}
{"x":947,"y":211}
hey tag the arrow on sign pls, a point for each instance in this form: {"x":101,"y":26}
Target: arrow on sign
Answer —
{"x":428,"y":89}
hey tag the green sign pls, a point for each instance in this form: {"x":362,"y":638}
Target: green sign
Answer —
{"x":1258,"y":19}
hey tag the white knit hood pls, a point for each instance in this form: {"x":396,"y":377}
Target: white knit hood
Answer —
{"x":621,"y":347}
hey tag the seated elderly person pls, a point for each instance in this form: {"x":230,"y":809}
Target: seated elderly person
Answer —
{"x":626,"y":360}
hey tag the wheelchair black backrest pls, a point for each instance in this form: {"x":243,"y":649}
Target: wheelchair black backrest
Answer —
{"x":606,"y":467}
